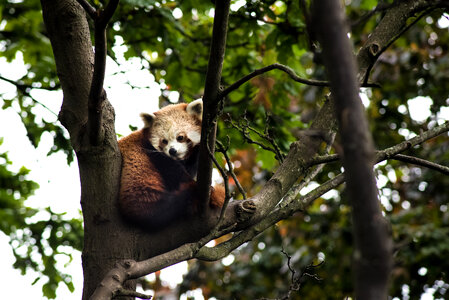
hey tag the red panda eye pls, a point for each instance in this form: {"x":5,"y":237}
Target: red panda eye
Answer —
{"x":180,"y":138}
{"x":164,"y":141}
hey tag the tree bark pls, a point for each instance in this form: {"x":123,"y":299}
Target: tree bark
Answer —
{"x":210,"y":100}
{"x":373,"y":246}
{"x":105,"y":237}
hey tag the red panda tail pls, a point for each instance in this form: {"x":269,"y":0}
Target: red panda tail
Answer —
{"x":217,"y":196}
{"x":163,"y":209}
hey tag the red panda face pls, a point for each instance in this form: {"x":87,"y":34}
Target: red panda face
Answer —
{"x":175,"y":129}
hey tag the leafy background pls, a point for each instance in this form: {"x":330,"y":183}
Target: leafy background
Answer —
{"x":169,"y":40}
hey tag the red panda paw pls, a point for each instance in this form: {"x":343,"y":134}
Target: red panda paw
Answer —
{"x":217,"y":196}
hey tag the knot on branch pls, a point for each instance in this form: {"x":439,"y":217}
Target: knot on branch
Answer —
{"x":374,"y":49}
{"x":128,"y":263}
{"x":245,"y":210}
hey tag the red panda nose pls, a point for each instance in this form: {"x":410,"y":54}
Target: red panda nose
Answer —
{"x":172,"y":151}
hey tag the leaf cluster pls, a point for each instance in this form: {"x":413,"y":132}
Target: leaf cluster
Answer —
{"x":172,"y":40}
{"x":37,"y":241}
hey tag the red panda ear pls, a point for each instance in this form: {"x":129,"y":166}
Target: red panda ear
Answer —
{"x":195,"y":109}
{"x":148,"y":119}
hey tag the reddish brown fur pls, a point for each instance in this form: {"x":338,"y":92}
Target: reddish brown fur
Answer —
{"x":155,"y":189}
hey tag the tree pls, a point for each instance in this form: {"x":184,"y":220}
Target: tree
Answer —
{"x":259,"y":36}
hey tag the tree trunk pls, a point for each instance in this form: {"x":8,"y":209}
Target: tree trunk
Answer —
{"x":105,"y":238}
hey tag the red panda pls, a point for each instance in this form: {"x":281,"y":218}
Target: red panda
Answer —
{"x":159,"y":165}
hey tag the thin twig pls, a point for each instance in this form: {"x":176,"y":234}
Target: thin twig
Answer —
{"x":392,"y":152}
{"x":223,"y":150}
{"x":295,"y":284}
{"x":23,"y":88}
{"x":422,"y":162}
{"x":419,"y":139}
{"x":226,"y":184}
{"x":379,"y":8}
{"x":244,"y":128}
{"x":289,"y":258}
{"x":260,"y":71}
{"x":283,"y":68}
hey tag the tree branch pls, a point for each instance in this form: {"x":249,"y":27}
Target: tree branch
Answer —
{"x":24,"y":89}
{"x":223,"y":150}
{"x":263,"y":70}
{"x":373,"y":245}
{"x":97,"y":94}
{"x":422,"y":162}
{"x":244,"y":128}
{"x":376,"y":52}
{"x":389,"y":27}
{"x":90,"y":10}
{"x":222,"y":250}
{"x":124,"y":292}
{"x":392,"y":151}
{"x":295,"y":284}
{"x":210,"y":100}
{"x":130,"y":269}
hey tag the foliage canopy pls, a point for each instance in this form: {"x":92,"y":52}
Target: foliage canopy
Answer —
{"x":170,"y":40}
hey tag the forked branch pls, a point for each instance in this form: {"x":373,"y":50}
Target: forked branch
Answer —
{"x":97,"y":95}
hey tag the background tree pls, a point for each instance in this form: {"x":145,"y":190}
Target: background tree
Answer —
{"x":408,"y":42}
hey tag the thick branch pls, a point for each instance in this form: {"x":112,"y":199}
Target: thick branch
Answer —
{"x":372,"y":253}
{"x":223,"y":249}
{"x":90,"y":10}
{"x":211,"y":92}
{"x":292,"y":168}
{"x":129,"y":269}
{"x":97,"y":95}
{"x":389,"y":28}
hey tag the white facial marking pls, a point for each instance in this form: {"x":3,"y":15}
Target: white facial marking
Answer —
{"x":180,"y":148}
{"x":194,"y":136}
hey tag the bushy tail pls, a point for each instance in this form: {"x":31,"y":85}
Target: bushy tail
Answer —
{"x":154,"y":210}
